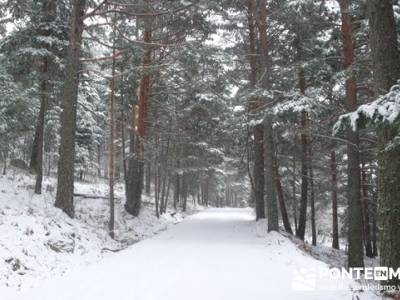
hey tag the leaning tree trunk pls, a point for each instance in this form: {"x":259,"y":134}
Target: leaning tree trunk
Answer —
{"x":65,"y":180}
{"x":386,"y":67}
{"x":281,"y":198}
{"x":355,"y":230}
{"x":167,"y":193}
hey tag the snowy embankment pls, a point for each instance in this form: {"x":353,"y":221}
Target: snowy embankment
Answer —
{"x":216,"y":254}
{"x":38,"y":241}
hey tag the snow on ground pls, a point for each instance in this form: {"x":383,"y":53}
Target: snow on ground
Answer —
{"x":215,"y":254}
{"x":333,"y":257}
{"x":38,"y":241}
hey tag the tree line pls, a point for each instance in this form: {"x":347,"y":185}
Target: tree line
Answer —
{"x":309,"y":62}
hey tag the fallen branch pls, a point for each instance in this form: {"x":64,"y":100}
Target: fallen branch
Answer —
{"x":91,"y":196}
{"x":112,"y":250}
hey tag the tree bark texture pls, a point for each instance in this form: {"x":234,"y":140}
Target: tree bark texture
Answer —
{"x":65,"y":180}
{"x":355,"y":222}
{"x":270,"y":183}
{"x":386,"y":65}
{"x":258,"y":171}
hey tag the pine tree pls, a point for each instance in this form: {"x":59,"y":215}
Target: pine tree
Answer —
{"x":386,"y":69}
{"x":65,"y":181}
{"x":355,"y":231}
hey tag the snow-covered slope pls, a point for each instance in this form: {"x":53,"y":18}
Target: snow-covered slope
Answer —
{"x":38,"y":241}
{"x":217,"y":254}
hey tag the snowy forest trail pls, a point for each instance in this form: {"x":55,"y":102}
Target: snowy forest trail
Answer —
{"x":214,"y":254}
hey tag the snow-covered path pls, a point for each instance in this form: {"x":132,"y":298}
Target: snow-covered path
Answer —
{"x":215,"y":254}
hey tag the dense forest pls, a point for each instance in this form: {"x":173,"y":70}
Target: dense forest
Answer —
{"x":289,"y":107}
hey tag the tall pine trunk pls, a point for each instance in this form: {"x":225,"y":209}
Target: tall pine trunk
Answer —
{"x":184,"y":192}
{"x":366,"y":213}
{"x":134,"y":181}
{"x":269,"y":149}
{"x":335,"y":223}
{"x":134,"y":195}
{"x":281,"y":198}
{"x":270,"y":182}
{"x":123,"y":127}
{"x":301,"y":229}
{"x":252,"y":43}
{"x":386,"y":67}
{"x":294,"y":198}
{"x":312,"y":196}
{"x":148,"y":177}
{"x":258,"y":170}
{"x":264,"y":46}
{"x":302,"y":223}
{"x":65,"y":180}
{"x":36,"y":162}
{"x":5,"y":157}
{"x":111,"y":167}
{"x":355,"y":226}
{"x":374,"y":225}
{"x":177,"y":186}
